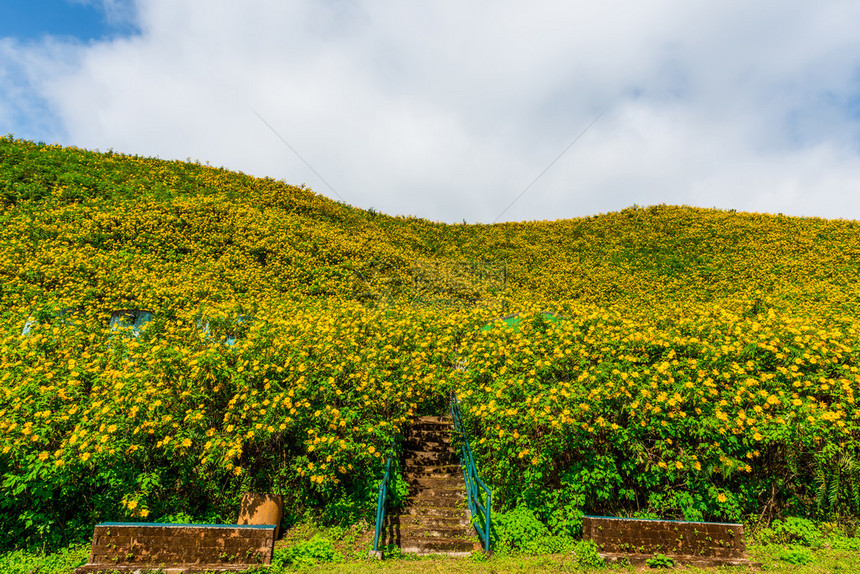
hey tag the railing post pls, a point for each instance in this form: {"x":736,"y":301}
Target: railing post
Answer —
{"x":487,"y":527}
{"x":380,"y":508}
{"x":470,"y":474}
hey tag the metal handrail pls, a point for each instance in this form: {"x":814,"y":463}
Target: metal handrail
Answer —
{"x":380,"y":505}
{"x":473,"y":482}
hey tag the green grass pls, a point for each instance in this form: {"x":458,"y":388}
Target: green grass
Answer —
{"x":350,"y":559}
{"x":825,"y":561}
{"x":63,"y":561}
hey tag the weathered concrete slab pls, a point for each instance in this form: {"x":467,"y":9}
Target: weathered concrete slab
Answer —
{"x":693,"y":543}
{"x":179,"y":548}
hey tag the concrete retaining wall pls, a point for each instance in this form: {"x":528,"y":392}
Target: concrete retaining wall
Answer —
{"x":179,"y":547}
{"x":634,"y":536}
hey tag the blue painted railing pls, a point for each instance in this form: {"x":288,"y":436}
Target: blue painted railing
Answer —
{"x":380,"y":505}
{"x":474,"y":485}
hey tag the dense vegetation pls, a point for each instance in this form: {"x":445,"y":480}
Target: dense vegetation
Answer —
{"x":666,"y":361}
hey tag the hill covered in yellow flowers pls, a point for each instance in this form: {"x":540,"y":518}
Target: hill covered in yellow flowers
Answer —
{"x":103,"y":228}
{"x":704,"y":364}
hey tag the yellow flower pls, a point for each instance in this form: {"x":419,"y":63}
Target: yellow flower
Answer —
{"x":721,"y":497}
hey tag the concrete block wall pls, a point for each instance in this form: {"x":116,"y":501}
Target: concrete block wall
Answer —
{"x":123,"y":545}
{"x":636,"y":536}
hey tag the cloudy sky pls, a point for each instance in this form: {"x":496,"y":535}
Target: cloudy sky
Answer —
{"x":452,"y":110}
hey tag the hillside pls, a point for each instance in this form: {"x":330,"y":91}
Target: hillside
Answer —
{"x":705,"y":363}
{"x":88,"y":227}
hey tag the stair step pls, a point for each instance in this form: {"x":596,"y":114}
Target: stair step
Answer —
{"x":433,"y":466}
{"x":428,"y":450}
{"x":432,"y":421}
{"x":417,"y":531}
{"x":419,"y":462}
{"x":435,"y":511}
{"x":426,"y":435}
{"x":454,"y":521}
{"x":407,"y":525}
{"x":440,"y":471}
{"x":439,"y":491}
{"x":432,"y":427}
{"x":436,"y":545}
{"x":446,"y":454}
{"x":453,"y":481}
{"x":450,"y":502}
{"x":424,"y":450}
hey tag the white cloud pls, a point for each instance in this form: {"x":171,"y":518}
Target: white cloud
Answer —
{"x":448,"y":110}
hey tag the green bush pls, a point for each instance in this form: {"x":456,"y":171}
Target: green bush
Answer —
{"x":794,"y":554}
{"x":520,"y":531}
{"x":800,"y":530}
{"x":317,"y":550}
{"x":839,"y":542}
{"x":586,"y":554}
{"x":660,"y":561}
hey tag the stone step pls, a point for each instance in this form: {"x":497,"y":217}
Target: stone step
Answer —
{"x":436,"y":499}
{"x":419,"y":482}
{"x":415,"y":471}
{"x":435,"y":511}
{"x":453,"y":521}
{"x":432,"y":428}
{"x":398,"y":529}
{"x":429,"y":441}
{"x":427,"y":449}
{"x":424,"y":461}
{"x":426,"y":502}
{"x":417,"y":531}
{"x":438,"y":546}
{"x":439,"y":456}
{"x":441,"y":491}
{"x":418,"y":479}
{"x":432,"y":421}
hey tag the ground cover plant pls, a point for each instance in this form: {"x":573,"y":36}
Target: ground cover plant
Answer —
{"x":664,"y":361}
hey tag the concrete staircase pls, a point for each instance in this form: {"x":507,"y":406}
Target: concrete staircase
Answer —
{"x":434,"y":519}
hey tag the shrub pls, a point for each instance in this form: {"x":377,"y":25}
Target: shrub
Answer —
{"x":794,"y":554}
{"x":800,"y":530}
{"x":520,"y":531}
{"x":660,"y":561}
{"x":317,"y":550}
{"x":586,"y":554}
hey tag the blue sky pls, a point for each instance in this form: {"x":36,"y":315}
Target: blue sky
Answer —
{"x":450,"y":110}
{"x":32,"y":20}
